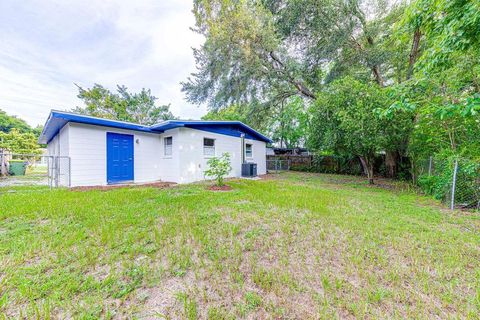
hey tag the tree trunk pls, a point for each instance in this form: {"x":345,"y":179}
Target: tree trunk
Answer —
{"x":370,"y":173}
{"x":391,"y":163}
{"x":377,"y":75}
{"x":367,"y":165}
{"x":375,"y":68}
{"x":364,"y":165}
{"x":414,"y":170}
{"x":414,"y":52}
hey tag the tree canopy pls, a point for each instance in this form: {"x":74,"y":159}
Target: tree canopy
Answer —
{"x":17,"y":142}
{"x":17,"y":136}
{"x":7,"y":123}
{"x":407,"y":71}
{"x":122,"y":105}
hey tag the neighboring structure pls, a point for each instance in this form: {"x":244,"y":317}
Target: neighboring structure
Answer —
{"x":106,"y":151}
{"x":290,"y":151}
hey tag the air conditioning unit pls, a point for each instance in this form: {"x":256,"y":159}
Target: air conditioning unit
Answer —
{"x":249,"y":169}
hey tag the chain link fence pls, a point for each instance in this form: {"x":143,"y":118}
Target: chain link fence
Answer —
{"x":278,"y":165}
{"x":34,"y":170}
{"x":455,"y":181}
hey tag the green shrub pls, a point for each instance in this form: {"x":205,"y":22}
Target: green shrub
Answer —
{"x":439,"y":183}
{"x":219,"y":168}
{"x":336,"y":164}
{"x":468,"y":183}
{"x":432,"y":185}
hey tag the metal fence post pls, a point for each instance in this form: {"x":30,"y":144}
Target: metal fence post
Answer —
{"x":50,"y":171}
{"x":430,"y":166}
{"x":69,"y":172}
{"x":454,"y":184}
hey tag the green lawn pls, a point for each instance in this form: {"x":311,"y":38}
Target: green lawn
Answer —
{"x":295,"y":246}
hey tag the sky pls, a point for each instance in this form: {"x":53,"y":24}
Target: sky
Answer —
{"x":48,"y":46}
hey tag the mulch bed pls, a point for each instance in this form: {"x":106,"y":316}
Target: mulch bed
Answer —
{"x":159,"y":185}
{"x":218,"y":188}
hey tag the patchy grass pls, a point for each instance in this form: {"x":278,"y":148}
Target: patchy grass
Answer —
{"x":34,"y":175}
{"x":295,"y":246}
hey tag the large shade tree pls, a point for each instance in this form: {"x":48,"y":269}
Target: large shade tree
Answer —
{"x":270,"y":50}
{"x":263,"y":53}
{"x":348,"y":120}
{"x":123,"y":105}
{"x":422,"y":55}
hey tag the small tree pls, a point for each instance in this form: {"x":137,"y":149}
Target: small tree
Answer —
{"x":18,"y":142}
{"x":219,"y":168}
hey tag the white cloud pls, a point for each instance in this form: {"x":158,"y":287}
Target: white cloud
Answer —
{"x":47,"y":46}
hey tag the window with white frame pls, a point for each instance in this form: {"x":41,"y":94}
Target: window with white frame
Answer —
{"x":208,"y":147}
{"x":248,"y":150}
{"x":167,"y":146}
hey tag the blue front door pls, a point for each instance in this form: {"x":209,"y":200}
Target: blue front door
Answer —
{"x":119,"y":157}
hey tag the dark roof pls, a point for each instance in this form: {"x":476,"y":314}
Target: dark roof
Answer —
{"x":57,"y":119}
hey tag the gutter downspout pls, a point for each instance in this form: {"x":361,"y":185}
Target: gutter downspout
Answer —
{"x":242,"y":141}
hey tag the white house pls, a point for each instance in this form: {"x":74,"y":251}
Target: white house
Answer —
{"x":104,"y":151}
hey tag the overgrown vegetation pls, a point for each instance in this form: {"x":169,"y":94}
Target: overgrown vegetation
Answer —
{"x":329,"y":247}
{"x":406,"y":74}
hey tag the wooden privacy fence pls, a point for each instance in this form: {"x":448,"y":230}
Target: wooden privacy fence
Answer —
{"x":295,"y":161}
{"x":318,"y":163}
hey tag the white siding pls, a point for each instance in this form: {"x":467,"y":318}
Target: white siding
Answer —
{"x":170,"y":165}
{"x":87,"y":147}
{"x":88,"y":152}
{"x":193,"y":163}
{"x":53,"y":146}
{"x":59,"y":146}
{"x":259,"y":155}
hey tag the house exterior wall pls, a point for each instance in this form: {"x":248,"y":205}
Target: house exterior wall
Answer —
{"x":88,"y":153}
{"x":170,"y":165}
{"x":53,"y":146}
{"x":193,"y":162}
{"x":87,"y":147}
{"x":59,"y":146}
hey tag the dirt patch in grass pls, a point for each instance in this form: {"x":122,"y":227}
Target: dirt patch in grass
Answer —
{"x":220,"y":188}
{"x":161,"y":300}
{"x":390,"y":184}
{"x":297,"y":246}
{"x":159,"y":185}
{"x":268,"y":176}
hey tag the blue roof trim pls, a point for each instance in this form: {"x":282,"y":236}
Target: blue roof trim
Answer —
{"x":225,"y":130}
{"x":229,"y":128}
{"x":58,"y":119}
